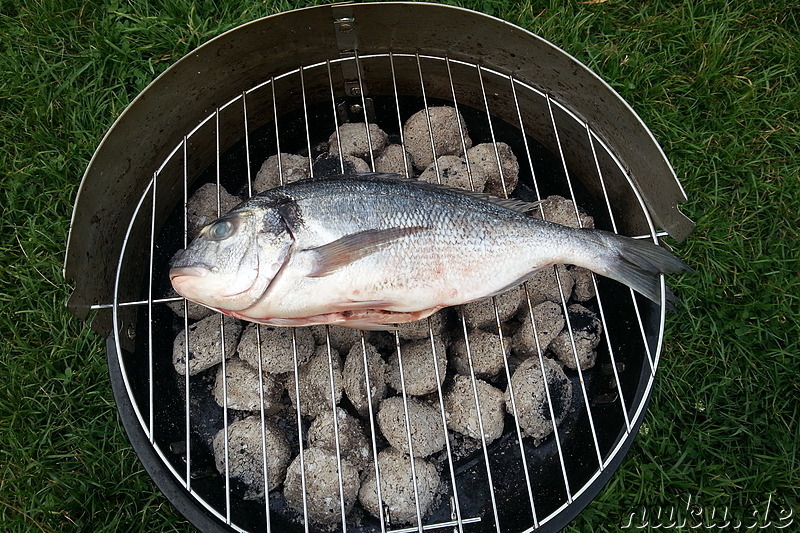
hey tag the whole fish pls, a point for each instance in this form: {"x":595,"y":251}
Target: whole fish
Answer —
{"x":371,"y":250}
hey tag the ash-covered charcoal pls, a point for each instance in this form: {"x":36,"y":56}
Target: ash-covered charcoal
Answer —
{"x":419,"y":371}
{"x":205,"y":344}
{"x":485,"y":350}
{"x":397,"y":487}
{"x":427,"y":432}
{"x":583,"y":290}
{"x":451,"y":170}
{"x":342,"y":339}
{"x":329,"y":165}
{"x":195,"y":311}
{"x":384,"y":341}
{"x":562,"y":211}
{"x":543,"y":286}
{"x":352,"y":139}
{"x":480,"y":314}
{"x":243,"y":388}
{"x":276,"y":349}
{"x":245,"y":457}
{"x":355,"y":383}
{"x":463,"y":447}
{"x":419,"y":329}
{"x":315,"y":383}
{"x":322,"y":474}
{"x":292,"y":168}
{"x":549,"y":320}
{"x":586,"y":331}
{"x":321,"y":147}
{"x":461,"y":414}
{"x":531,"y":398}
{"x":201,"y":208}
{"x":483,"y":162}
{"x":394,"y":159}
{"x":444,"y":123}
{"x":353,"y":443}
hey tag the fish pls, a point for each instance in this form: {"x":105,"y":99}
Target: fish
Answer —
{"x":373,"y":250}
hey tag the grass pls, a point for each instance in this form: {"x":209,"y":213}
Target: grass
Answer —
{"x":716,"y":81}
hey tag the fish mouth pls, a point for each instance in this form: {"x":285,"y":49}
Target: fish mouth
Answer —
{"x":187,"y":271}
{"x":198,"y":284}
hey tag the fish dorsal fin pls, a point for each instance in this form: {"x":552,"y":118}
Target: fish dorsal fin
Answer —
{"x":332,"y":256}
{"x":512,"y":204}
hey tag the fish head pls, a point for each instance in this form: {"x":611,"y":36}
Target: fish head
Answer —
{"x":232,"y":262}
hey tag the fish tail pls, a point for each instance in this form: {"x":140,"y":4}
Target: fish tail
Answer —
{"x":636,"y":263}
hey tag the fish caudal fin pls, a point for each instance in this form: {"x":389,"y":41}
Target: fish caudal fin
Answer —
{"x":636,"y":263}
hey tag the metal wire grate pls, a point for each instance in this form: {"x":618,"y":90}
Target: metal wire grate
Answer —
{"x":507,"y":485}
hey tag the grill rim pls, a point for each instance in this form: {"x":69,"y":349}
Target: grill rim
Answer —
{"x":165,"y":479}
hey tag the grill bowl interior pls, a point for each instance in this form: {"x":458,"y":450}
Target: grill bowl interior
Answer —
{"x":214,"y":116}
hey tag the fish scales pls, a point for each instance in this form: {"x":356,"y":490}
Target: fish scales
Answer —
{"x":439,"y":263}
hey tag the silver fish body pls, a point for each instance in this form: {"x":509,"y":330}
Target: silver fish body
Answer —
{"x":371,"y":250}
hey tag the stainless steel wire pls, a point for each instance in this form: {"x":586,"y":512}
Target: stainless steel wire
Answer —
{"x":224,"y":356}
{"x":151,"y":410}
{"x":187,"y":405}
{"x":259,"y":365}
{"x":564,"y":307}
{"x":409,"y":440}
{"x":373,"y":434}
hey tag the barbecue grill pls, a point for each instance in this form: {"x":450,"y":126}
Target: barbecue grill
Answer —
{"x":284,"y":84}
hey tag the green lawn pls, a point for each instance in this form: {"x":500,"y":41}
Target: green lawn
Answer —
{"x":716,"y":81}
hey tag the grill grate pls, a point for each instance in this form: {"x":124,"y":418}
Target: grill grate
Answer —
{"x":483,"y":491}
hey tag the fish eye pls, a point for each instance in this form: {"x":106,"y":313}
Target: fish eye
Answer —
{"x":220,"y":230}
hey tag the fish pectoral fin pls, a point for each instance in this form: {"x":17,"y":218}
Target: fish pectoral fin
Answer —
{"x":330,"y":257}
